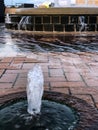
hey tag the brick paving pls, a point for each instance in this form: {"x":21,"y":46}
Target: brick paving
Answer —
{"x":70,"y":73}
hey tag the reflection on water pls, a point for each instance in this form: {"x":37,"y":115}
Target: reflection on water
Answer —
{"x":12,"y":43}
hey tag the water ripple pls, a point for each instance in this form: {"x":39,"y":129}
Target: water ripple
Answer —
{"x":15,"y":42}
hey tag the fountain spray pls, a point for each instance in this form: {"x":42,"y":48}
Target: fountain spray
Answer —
{"x":35,"y":90}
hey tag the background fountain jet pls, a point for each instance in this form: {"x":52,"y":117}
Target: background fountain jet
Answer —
{"x":83,"y":25}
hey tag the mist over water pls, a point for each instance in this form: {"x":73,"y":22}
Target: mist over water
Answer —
{"x":14,"y":42}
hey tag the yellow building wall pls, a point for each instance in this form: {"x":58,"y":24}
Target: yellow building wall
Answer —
{"x":96,"y":2}
{"x":90,"y":2}
{"x":80,"y":1}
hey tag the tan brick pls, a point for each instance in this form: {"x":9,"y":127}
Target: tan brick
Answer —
{"x":70,"y":69}
{"x":45,"y":69}
{"x":4,"y":65}
{"x":16,"y":65}
{"x":87,"y":98}
{"x":56,"y":72}
{"x":31,"y":60}
{"x":54,"y":66}
{"x":42,"y":58}
{"x":54,"y":60}
{"x":21,"y":59}
{"x":16,"y":71}
{"x":20,"y":85}
{"x":55,"y":79}
{"x":73,"y":77}
{"x":10,"y":91}
{"x":1,"y":72}
{"x":7,"y":60}
{"x":83,"y":90}
{"x":21,"y":82}
{"x":28,"y":65}
{"x":67,"y":84}
{"x":7,"y":78}
{"x":46,"y":75}
{"x":59,"y":84}
{"x":23,"y":75}
{"x":5,"y":85}
{"x":92,"y":83}
{"x":61,"y":90}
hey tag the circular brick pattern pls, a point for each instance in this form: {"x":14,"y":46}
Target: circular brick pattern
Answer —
{"x":88,"y":115}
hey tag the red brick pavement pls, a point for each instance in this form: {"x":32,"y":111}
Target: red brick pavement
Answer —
{"x":75,"y":74}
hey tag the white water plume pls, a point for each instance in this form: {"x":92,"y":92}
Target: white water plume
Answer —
{"x":24,"y":20}
{"x":35,"y":90}
{"x":7,"y":19}
{"x":82,"y":23}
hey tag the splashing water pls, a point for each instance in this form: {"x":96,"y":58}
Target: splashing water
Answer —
{"x":35,"y":90}
{"x":82,"y":23}
{"x":8,"y":19}
{"x":24,"y":20}
{"x":21,"y":22}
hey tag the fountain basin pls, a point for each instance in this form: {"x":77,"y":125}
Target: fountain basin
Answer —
{"x":88,"y":116}
{"x":54,"y":116}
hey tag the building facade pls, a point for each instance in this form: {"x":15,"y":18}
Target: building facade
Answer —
{"x":61,"y":3}
{"x":87,"y":2}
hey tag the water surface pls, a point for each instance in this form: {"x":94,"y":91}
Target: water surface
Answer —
{"x":54,"y":116}
{"x":15,"y":42}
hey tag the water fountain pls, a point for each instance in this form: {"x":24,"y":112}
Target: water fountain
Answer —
{"x":56,"y":19}
{"x":35,"y":90}
{"x":8,"y":19}
{"x":59,"y":111}
{"x":23,"y":22}
{"x":55,"y":111}
{"x":83,"y":25}
{"x":53,"y":115}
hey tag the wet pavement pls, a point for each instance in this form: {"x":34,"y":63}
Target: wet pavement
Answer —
{"x":73,"y":69}
{"x":70,"y":73}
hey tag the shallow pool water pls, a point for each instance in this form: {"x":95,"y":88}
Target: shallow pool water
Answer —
{"x":15,"y":42}
{"x":54,"y":116}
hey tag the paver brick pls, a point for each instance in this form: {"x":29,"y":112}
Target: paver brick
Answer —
{"x":69,"y":73}
{"x":5,"y":86}
{"x":8,"y":78}
{"x":84,"y":90}
{"x":21,"y":59}
{"x":28,"y":65}
{"x":67,"y":84}
{"x":55,"y":79}
{"x":92,"y":82}
{"x":4,"y":65}
{"x":21,"y":82}
{"x":86,"y":97}
{"x":73,"y":77}
{"x":16,"y":71}
{"x":7,"y":60}
{"x":64,"y":90}
{"x":56,"y":72}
